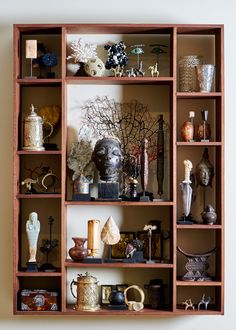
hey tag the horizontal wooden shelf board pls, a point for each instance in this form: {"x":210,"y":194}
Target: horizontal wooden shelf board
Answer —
{"x":38,"y":274}
{"x":39,"y":82}
{"x":198,"y":144}
{"x":70,"y":263}
{"x":192,"y":95}
{"x":181,"y":311}
{"x":106,"y":311}
{"x":122,"y":203}
{"x":198,"y":283}
{"x":38,"y":196}
{"x":45,"y":313}
{"x":120,"y":81}
{"x":44,"y":152}
{"x":199,"y":226}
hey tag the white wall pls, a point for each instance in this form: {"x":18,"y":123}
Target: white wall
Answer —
{"x":120,"y":11}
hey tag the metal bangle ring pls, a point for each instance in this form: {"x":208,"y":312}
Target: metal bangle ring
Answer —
{"x":44,"y":178}
{"x":136,"y":287}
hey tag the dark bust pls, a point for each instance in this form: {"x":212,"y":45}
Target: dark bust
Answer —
{"x":107,"y":156}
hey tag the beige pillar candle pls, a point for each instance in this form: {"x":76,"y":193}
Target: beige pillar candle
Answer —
{"x":94,"y":234}
{"x":31,"y":49}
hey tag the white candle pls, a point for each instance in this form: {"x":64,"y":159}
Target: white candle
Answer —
{"x":31,"y":49}
{"x":94,"y":234}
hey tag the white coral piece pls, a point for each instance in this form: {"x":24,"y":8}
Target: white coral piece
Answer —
{"x":82,"y":51}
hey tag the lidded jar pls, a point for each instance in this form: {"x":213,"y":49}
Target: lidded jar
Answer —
{"x":33,"y":131}
{"x":87,"y":292}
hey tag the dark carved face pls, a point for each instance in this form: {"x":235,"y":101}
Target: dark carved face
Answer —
{"x":107,"y":157}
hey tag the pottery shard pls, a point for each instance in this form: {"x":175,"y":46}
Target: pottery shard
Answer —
{"x":110,"y":233}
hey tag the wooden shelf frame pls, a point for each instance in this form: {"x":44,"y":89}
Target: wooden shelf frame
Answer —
{"x":174,"y":31}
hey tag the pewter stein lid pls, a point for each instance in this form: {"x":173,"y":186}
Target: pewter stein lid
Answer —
{"x":33,"y":116}
{"x":87,"y":279}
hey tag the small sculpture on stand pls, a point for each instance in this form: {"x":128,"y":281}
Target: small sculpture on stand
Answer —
{"x":48,"y":246}
{"x":149,"y":229}
{"x":94,"y":240}
{"x":204,"y":301}
{"x":117,"y":58}
{"x":110,"y":235}
{"x":204,"y":174}
{"x":32,"y":231}
{"x":160,"y":157}
{"x":186,"y":194}
{"x":107,"y":156}
{"x":187,"y":129}
{"x":204,"y":129}
{"x":131,"y":168}
{"x":134,"y":251}
{"x":137,"y":50}
{"x":157,"y":50}
{"x":188,"y":304}
{"x":31,"y":53}
{"x":144,"y":171}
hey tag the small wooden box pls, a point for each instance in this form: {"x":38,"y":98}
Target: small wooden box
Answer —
{"x":39,"y":300}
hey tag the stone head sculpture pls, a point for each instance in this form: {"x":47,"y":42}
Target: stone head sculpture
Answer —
{"x":107,"y":156}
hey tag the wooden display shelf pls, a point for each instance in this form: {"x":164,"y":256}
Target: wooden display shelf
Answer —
{"x":180,"y":39}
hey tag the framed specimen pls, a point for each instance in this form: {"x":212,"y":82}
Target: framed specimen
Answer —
{"x":121,"y":287}
{"x":156,"y":244}
{"x":105,"y":294}
{"x":118,"y":250}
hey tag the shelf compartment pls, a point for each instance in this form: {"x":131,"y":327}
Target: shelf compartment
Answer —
{"x":51,"y":40}
{"x":48,"y":283}
{"x":196,"y":293}
{"x":215,"y":118}
{"x":44,"y":209}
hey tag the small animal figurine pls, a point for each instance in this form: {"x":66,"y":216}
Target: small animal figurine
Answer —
{"x":154,"y":70}
{"x":204,"y":301}
{"x":188,"y":304}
